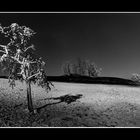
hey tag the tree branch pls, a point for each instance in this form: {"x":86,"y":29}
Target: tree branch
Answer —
{"x":5,"y":47}
{"x":33,"y":75}
{"x":2,"y":51}
{"x":31,"y":62}
{"x":20,"y":62}
{"x":30,"y":47}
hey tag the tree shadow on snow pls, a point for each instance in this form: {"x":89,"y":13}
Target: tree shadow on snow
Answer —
{"x":65,"y":98}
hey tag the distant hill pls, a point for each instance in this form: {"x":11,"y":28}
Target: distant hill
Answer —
{"x":5,"y":77}
{"x":90,"y":80}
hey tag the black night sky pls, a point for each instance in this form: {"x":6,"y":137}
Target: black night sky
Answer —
{"x":111,"y":40}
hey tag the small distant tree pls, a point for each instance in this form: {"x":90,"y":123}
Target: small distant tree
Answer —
{"x":81,"y":67}
{"x":74,"y":69}
{"x":135,"y":77}
{"x":93,"y":70}
{"x":19,"y":59}
{"x":66,"y":67}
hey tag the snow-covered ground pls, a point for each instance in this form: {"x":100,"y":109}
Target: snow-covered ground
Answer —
{"x":100,"y":105}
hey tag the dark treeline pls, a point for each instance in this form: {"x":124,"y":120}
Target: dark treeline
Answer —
{"x":93,"y":80}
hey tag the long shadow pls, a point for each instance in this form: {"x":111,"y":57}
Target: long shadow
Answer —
{"x":66,"y":98}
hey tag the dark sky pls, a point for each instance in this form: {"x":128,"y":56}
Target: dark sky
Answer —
{"x":111,"y":40}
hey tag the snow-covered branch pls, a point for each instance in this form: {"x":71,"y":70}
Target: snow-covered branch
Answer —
{"x":14,"y":58}
{"x":33,"y":75}
{"x":32,"y":62}
{"x":5,"y":48}
{"x":2,"y":51}
{"x":30,"y":47}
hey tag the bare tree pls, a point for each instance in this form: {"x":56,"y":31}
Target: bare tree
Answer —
{"x":74,"y":69}
{"x":135,"y":77}
{"x":66,"y":67}
{"x":19,"y":59}
{"x":82,"y":67}
{"x":92,"y":69}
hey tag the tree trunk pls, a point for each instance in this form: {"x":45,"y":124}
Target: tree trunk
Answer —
{"x":29,"y":97}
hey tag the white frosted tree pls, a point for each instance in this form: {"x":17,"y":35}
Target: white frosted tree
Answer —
{"x":19,"y":59}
